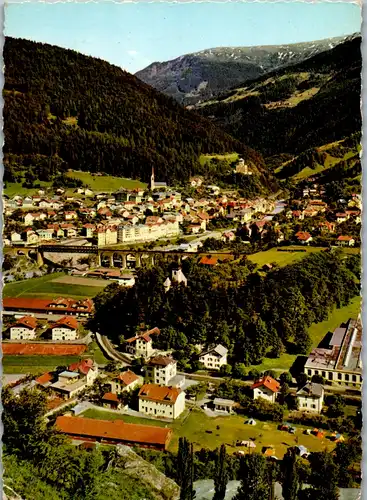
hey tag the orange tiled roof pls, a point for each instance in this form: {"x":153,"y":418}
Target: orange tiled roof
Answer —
{"x":162,"y":394}
{"x":267,"y":382}
{"x":209,"y":261}
{"x":116,"y":430}
{"x":28,"y":321}
{"x":345,"y":238}
{"x":46,"y":377}
{"x":303,"y":235}
{"x":66,"y":321}
{"x":112,"y":397}
{"x":82,"y":366}
{"x":127,"y":377}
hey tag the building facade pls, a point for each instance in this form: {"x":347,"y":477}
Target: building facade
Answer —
{"x":266,"y":388}
{"x":160,"y":401}
{"x":311,"y":397}
{"x":160,"y":370}
{"x":214,"y":358}
{"x":24,"y":329}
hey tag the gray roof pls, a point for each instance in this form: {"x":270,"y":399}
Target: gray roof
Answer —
{"x":311,"y":389}
{"x":224,"y":402}
{"x":220,"y":349}
{"x":338,"y":336}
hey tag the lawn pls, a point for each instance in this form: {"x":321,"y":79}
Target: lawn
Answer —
{"x":106,"y":183}
{"x":195,"y":424}
{"x":35,"y":364}
{"x":13,"y":188}
{"x":317,"y":332}
{"x":45,"y":286}
{"x":229,"y":156}
{"x":281,"y":258}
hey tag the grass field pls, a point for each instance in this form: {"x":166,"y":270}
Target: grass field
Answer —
{"x":106,"y":183}
{"x":229,"y":156}
{"x":317,"y":332}
{"x":42,"y":364}
{"x":35,"y":364}
{"x":46,"y":286}
{"x":281,"y":258}
{"x":195,"y":424}
{"x":13,"y":188}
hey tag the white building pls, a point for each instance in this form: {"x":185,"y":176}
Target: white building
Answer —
{"x":124,"y":382}
{"x":141,"y":345}
{"x":65,"y":328}
{"x":24,"y":329}
{"x":161,"y":370}
{"x":311,"y":397}
{"x":214,"y":358}
{"x":266,"y":388}
{"x":341,"y":362}
{"x":160,"y":401}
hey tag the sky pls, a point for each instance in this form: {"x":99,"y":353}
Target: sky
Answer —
{"x":133,"y":35}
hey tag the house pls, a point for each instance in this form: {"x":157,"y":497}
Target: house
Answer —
{"x":341,"y":217}
{"x":45,"y":234}
{"x":111,"y":400}
{"x":141,"y":345}
{"x":124,"y":382}
{"x":327,"y":226}
{"x":161,"y":370}
{"x":179,"y":277}
{"x":70,"y":215}
{"x":88,"y":230}
{"x":196,"y":181}
{"x":32,"y":237}
{"x":311,"y":397}
{"x":65,"y":328}
{"x":24,"y":328}
{"x":161,"y":401}
{"x":87,"y":368}
{"x":214,"y":358}
{"x":107,"y":236}
{"x":46,"y":380}
{"x":15,"y":237}
{"x":266,"y":388}
{"x":303,"y":237}
{"x":344,"y":241}
{"x":228,"y":236}
{"x":223,"y":405}
{"x":114,"y":432}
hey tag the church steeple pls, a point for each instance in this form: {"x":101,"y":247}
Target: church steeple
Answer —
{"x":152,"y":185}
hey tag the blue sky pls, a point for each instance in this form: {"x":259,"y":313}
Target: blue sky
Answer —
{"x":134,"y":35}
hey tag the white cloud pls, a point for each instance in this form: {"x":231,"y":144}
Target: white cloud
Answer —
{"x":132,"y":53}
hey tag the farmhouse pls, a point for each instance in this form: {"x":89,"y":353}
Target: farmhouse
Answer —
{"x":266,"y":388}
{"x":65,"y":328}
{"x":111,"y":400}
{"x":214,"y":358}
{"x":24,"y":329}
{"x":124,"y":382}
{"x":115,"y":432}
{"x":161,"y":370}
{"x":141,"y":345}
{"x":345,"y":241}
{"x":303,"y":237}
{"x":160,"y":401}
{"x":341,"y":362}
{"x":311,"y":397}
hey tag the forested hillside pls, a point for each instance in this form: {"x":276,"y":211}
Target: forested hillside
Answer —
{"x":298,"y":108}
{"x":66,"y":110}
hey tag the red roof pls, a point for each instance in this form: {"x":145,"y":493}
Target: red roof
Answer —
{"x":112,"y":397}
{"x":303,"y":236}
{"x":345,"y":238}
{"x":116,"y":430}
{"x":82,"y":366}
{"x":162,"y":394}
{"x":267,"y":382}
{"x":127,"y":377}
{"x":65,"y":304}
{"x":26,"y":321}
{"x":46,"y":377}
{"x":209,"y":261}
{"x":66,"y":322}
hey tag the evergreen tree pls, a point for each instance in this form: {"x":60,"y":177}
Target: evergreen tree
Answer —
{"x":221,"y":476}
{"x":254,"y":478}
{"x":290,"y":482}
{"x":185,"y":457}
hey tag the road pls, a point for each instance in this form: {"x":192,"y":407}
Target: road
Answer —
{"x":210,"y":234}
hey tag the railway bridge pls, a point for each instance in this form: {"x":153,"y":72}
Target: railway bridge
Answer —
{"x":107,"y":257}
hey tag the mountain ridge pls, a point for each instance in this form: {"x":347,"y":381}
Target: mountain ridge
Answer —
{"x":197,"y":76}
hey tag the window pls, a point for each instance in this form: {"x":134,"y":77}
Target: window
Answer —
{"x":316,"y":372}
{"x":330,"y":374}
{"x":354,"y":378}
{"x":323,"y":374}
{"x":309,"y":372}
{"x":313,"y":406}
{"x":339,"y":376}
{"x":346,"y":377}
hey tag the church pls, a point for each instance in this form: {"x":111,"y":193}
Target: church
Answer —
{"x":156,"y":185}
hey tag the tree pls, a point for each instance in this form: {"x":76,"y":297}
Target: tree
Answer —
{"x":221,"y":474}
{"x":290,"y":477}
{"x":302,"y":379}
{"x":185,"y":469}
{"x":285,"y":378}
{"x":323,"y":466}
{"x":336,"y":409}
{"x":318,"y":379}
{"x":254,"y":478}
